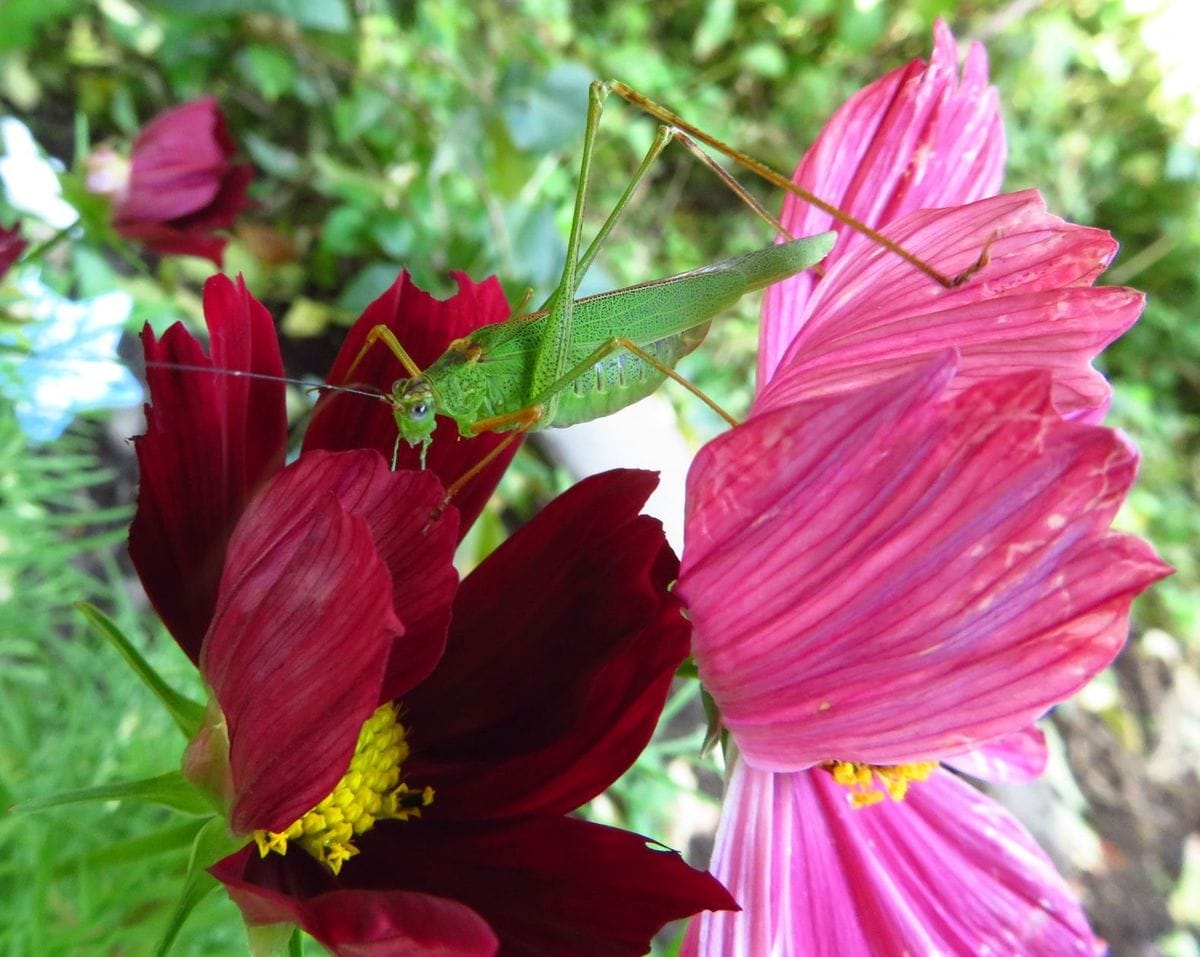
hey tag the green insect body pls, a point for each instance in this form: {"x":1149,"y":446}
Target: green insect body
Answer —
{"x":491,"y":373}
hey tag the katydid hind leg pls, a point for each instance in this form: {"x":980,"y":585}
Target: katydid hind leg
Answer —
{"x":777,"y":179}
{"x":553,"y":355}
{"x":554,"y":348}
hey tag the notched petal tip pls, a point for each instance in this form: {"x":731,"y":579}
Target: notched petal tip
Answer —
{"x":211,"y":440}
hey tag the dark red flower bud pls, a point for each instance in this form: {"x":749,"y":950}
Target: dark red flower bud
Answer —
{"x":182,"y":186}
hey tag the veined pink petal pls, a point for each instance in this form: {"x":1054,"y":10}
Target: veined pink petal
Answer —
{"x":1031,"y":307}
{"x":853,"y":564}
{"x":1013,"y":759}
{"x":946,"y":871}
{"x":917,"y":138}
{"x":296,"y":652}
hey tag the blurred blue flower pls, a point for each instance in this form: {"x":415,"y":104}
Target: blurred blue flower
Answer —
{"x":63,"y":361}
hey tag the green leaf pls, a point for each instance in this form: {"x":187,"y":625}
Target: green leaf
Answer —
{"x":133,"y":849}
{"x":549,"y":113}
{"x":765,"y":59}
{"x":271,"y":72}
{"x":715,"y":732}
{"x":715,"y":29}
{"x":278,"y":161}
{"x":212,"y":843}
{"x":171,"y":790}
{"x":187,"y":714}
{"x":24,"y":19}
{"x":329,"y":15}
{"x":367,"y":285}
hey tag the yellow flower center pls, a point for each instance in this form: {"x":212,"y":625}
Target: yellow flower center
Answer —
{"x":369,"y":791}
{"x":870,"y":783}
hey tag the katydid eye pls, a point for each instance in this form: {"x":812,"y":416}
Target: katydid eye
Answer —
{"x":419,"y":410}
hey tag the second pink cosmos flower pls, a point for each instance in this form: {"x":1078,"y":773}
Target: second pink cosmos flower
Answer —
{"x":904,"y":554}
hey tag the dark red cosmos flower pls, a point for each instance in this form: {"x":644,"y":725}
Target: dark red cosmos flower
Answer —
{"x":11,"y":247}
{"x":180,"y":185}
{"x":332,"y":631}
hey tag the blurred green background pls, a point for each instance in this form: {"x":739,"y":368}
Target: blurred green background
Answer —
{"x":434,"y":137}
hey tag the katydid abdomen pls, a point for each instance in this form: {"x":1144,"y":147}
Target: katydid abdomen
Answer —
{"x":622,"y":378}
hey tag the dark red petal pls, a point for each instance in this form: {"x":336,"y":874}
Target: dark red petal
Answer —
{"x":425,"y":326}
{"x":230,"y":200}
{"x":562,"y":648}
{"x":549,"y":885}
{"x":545,"y":885}
{"x":353,"y":923}
{"x":396,"y":507}
{"x":166,"y":240}
{"x":302,"y":631}
{"x":211,"y":440}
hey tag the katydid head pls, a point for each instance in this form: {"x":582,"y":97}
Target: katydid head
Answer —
{"x":415,"y":410}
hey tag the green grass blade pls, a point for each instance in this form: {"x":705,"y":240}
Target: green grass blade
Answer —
{"x":171,"y":790}
{"x":163,"y":841}
{"x":187,"y":714}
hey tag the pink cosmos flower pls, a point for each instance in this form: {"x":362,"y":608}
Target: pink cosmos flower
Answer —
{"x":904,"y":554}
{"x":179,"y":186}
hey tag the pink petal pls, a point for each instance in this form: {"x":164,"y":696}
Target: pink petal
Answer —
{"x":1031,"y":307}
{"x":298,"y":644}
{"x":946,"y":871}
{"x":853,"y":563}
{"x":1013,"y":759}
{"x":916,"y":138}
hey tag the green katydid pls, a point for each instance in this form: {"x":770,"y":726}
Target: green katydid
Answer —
{"x":576,"y":360}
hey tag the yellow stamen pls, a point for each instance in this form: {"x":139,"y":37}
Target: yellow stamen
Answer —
{"x":369,"y":791}
{"x":870,"y":783}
